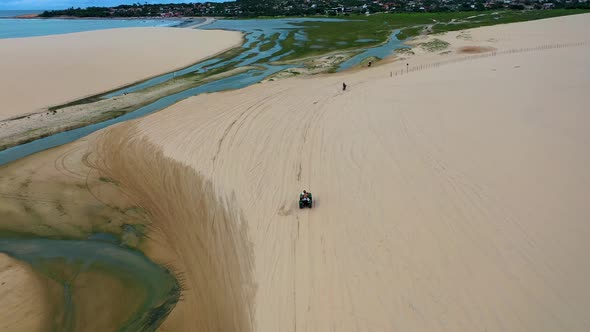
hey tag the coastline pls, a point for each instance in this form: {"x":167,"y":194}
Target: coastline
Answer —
{"x":176,"y":18}
{"x":75,"y":88}
{"x":65,"y":118}
{"x":184,"y":21}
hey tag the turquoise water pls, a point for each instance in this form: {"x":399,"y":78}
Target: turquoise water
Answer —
{"x":160,"y":285}
{"x":253,"y":30}
{"x":17,"y":28}
{"x":380,"y":51}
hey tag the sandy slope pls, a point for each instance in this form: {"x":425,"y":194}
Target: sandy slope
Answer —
{"x":43,"y":71}
{"x":23,"y":297}
{"x":447,"y":199}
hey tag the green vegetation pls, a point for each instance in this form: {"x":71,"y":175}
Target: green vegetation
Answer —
{"x":329,"y":36}
{"x":287,"y":44}
{"x":271,"y":42}
{"x":435,"y":45}
{"x":410,"y":32}
{"x":325,"y":37}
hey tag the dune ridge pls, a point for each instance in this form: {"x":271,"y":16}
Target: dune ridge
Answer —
{"x":448,"y":199}
{"x":199,"y":235}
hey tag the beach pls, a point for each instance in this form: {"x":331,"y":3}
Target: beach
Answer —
{"x":449,"y":188}
{"x":53,"y":70}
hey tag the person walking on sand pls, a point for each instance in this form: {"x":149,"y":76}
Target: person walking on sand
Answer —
{"x":343,"y":86}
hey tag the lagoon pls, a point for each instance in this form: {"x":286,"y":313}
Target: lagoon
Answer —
{"x":52,"y":257}
{"x":19,"y":28}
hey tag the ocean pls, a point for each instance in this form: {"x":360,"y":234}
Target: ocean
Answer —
{"x":17,"y":28}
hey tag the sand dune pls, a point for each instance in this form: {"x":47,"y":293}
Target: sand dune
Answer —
{"x":45,"y":71}
{"x":450,"y":198}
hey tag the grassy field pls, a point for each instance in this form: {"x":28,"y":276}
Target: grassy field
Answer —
{"x":270,"y":43}
{"x":363,"y":31}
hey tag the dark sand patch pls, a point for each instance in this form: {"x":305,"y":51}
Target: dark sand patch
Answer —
{"x":475,"y":49}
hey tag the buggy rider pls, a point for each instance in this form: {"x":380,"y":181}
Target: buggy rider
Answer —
{"x":305,"y":200}
{"x":304,"y":196}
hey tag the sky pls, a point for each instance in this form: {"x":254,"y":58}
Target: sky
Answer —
{"x":61,"y":4}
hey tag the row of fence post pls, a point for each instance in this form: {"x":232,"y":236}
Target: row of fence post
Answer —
{"x":409,"y":69}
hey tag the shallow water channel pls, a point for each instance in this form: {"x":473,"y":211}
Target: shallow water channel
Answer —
{"x":52,"y":257}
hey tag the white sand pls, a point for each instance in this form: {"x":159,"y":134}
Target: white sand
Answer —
{"x":38,"y":72}
{"x":447,"y":199}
